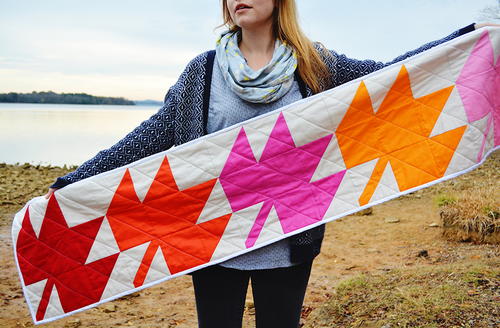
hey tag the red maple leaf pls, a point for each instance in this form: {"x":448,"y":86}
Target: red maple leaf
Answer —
{"x":167,"y":219}
{"x":59,"y":255}
{"x":281,"y":179}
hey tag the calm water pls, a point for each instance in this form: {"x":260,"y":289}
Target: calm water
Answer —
{"x":63,"y":134}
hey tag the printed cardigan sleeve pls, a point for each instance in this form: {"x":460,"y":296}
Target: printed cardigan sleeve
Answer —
{"x":345,"y":69}
{"x":152,"y":136}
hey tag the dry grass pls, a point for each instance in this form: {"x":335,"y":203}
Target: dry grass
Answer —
{"x":472,"y":215}
{"x":455,"y":295}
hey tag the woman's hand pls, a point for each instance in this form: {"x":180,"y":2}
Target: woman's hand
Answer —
{"x":476,"y":26}
{"x":50,"y":192}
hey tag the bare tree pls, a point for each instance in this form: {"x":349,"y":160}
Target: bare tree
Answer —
{"x":490,"y":13}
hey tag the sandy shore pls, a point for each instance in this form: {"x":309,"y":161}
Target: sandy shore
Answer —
{"x":20,"y":183}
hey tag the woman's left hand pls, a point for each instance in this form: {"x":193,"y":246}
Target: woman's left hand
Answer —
{"x":476,"y":26}
{"x":50,"y":192}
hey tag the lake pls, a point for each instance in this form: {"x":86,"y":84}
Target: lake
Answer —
{"x":59,"y":134}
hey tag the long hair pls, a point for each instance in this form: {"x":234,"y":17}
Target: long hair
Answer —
{"x":312,"y":68}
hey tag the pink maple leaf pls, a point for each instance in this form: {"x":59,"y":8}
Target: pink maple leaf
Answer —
{"x":478,"y":86}
{"x":281,"y":179}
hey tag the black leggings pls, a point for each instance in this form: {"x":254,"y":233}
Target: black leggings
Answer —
{"x":278,"y":296}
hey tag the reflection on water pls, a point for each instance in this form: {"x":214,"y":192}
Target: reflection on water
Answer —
{"x":63,"y":134}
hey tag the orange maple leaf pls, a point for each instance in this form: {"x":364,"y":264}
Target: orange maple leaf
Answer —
{"x":398,"y":134}
{"x":167,"y":219}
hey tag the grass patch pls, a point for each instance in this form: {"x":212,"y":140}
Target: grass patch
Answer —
{"x":445,"y":200}
{"x":454,"y":295}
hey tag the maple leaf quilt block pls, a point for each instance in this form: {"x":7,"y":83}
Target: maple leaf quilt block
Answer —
{"x":479,"y":87}
{"x":399,"y":134}
{"x":280,"y":179}
{"x":167,"y":220}
{"x":58,"y":255}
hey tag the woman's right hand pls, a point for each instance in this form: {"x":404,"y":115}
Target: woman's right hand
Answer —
{"x":50,"y":192}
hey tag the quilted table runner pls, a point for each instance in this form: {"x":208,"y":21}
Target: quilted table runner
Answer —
{"x":413,"y":124}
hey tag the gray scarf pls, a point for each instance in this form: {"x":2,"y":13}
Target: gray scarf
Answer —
{"x":265,"y":85}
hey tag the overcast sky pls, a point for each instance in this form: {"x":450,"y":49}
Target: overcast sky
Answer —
{"x":137,"y":49}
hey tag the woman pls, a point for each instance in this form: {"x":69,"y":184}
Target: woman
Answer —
{"x":263,"y":63}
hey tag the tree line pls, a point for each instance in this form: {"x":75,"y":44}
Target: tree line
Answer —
{"x":49,"y":97}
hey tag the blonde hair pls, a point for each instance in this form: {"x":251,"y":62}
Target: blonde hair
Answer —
{"x":311,"y":66}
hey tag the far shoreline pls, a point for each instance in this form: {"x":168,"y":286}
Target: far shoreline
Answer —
{"x":50,"y":97}
{"x":27,"y":165}
{"x":137,"y":104}
{"x":54,"y":103}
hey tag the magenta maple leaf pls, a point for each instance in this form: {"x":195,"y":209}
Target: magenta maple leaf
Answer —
{"x":58,"y":254}
{"x":281,"y":179}
{"x":478,"y":85}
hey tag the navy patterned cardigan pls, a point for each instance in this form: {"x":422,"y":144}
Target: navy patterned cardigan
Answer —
{"x":183,"y":117}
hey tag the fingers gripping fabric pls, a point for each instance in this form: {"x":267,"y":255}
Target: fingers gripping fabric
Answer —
{"x":410,"y":125}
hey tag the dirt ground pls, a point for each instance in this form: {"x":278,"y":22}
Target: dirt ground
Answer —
{"x":354,"y":244}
